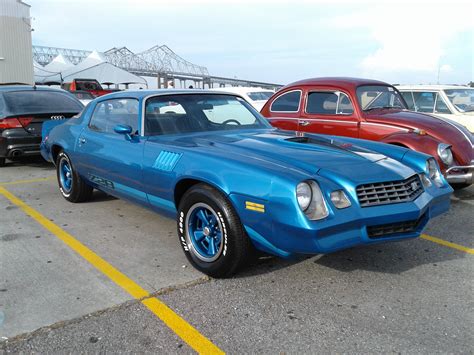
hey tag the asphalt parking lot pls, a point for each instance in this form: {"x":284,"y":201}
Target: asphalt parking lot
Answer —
{"x":100,"y":276}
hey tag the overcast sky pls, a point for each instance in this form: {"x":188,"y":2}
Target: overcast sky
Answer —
{"x":276,"y":41}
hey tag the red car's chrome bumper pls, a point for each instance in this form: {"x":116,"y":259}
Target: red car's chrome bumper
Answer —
{"x":460,"y":174}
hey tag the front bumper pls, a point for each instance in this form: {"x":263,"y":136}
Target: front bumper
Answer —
{"x":350,"y":227}
{"x":460,"y":174}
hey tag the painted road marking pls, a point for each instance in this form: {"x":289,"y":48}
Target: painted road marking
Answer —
{"x":26,"y":181}
{"x":448,"y":244}
{"x":178,"y":325}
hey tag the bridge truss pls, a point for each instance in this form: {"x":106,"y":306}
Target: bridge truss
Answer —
{"x":159,"y":61}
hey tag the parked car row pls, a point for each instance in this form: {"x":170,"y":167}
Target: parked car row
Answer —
{"x":236,"y":184}
{"x":374,"y":110}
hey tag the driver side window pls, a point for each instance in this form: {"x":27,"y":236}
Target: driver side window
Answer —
{"x":110,"y":113}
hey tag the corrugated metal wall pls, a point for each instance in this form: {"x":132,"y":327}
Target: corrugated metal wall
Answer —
{"x":16,"y":57}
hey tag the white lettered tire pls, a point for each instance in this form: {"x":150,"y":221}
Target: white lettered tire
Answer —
{"x":210,"y":232}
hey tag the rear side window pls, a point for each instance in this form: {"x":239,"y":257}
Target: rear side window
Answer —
{"x":110,"y":113}
{"x":288,"y":102}
{"x":329,"y":103}
{"x":424,"y":101}
{"x":441,"y":106}
{"x":38,"y":101}
{"x":407,"y":95}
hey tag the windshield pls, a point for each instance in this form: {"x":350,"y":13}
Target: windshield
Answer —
{"x":88,"y":85}
{"x":260,"y":95}
{"x":38,"y":101}
{"x":173,"y":114}
{"x":379,"y":97}
{"x":462,"y":99}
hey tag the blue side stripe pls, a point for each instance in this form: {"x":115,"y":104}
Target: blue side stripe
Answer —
{"x":140,"y":195}
{"x":161,"y":202}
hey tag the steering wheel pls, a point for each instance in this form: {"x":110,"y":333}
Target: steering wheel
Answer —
{"x":232,"y":120}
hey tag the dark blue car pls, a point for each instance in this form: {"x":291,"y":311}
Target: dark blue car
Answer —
{"x":234,"y":183}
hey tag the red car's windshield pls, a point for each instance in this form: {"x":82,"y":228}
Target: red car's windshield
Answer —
{"x":372,"y":97}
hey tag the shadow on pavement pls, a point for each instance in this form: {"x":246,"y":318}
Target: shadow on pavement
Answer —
{"x":466,"y":194}
{"x":395,"y":258}
{"x":33,"y":161}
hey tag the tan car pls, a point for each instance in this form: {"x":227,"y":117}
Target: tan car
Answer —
{"x":446,"y":101}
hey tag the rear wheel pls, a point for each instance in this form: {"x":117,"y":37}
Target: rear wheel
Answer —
{"x":71,"y":185}
{"x":210,"y":232}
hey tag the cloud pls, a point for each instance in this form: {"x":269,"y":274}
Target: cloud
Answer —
{"x":446,"y":68}
{"x":408,"y":37}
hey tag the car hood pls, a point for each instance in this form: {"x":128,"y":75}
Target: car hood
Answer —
{"x":310,"y":153}
{"x":444,"y":130}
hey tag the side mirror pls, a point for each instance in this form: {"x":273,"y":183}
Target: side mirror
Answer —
{"x":125,"y":130}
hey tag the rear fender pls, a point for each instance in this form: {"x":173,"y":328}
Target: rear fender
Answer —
{"x":49,"y":125}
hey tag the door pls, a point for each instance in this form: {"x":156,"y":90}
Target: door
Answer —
{"x":113,"y":161}
{"x":284,"y":110}
{"x":329,"y":112}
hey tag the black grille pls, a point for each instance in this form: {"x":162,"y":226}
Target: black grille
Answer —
{"x":383,"y":193}
{"x":386,"y":230}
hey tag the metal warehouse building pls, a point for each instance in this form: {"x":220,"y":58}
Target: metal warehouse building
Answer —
{"x":16,"y":58}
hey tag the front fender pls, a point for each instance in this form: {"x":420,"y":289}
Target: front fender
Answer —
{"x":422,"y":143}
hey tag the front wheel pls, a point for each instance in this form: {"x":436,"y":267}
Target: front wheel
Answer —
{"x":211,"y":233}
{"x":71,"y":185}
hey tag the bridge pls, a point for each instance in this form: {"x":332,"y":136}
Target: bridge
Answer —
{"x":159,"y":62}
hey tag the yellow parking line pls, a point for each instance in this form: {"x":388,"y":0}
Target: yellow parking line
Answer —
{"x":178,"y":325}
{"x":448,"y":244}
{"x":26,"y":181}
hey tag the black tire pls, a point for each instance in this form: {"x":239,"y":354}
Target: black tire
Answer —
{"x":2,"y":162}
{"x":78,"y":191}
{"x":236,"y":247}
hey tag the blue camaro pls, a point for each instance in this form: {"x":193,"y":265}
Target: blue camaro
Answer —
{"x":234,"y":183}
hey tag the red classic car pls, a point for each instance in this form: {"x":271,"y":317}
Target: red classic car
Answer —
{"x":373,"y":110}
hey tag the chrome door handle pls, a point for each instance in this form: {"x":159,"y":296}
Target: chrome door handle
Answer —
{"x":82,"y":140}
{"x":304,"y":123}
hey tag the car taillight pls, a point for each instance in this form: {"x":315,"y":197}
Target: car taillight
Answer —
{"x":15,"y":122}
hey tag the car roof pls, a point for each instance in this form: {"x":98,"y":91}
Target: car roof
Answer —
{"x":431,"y":87}
{"x":343,"y":82}
{"x":28,"y":88}
{"x":157,"y":92}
